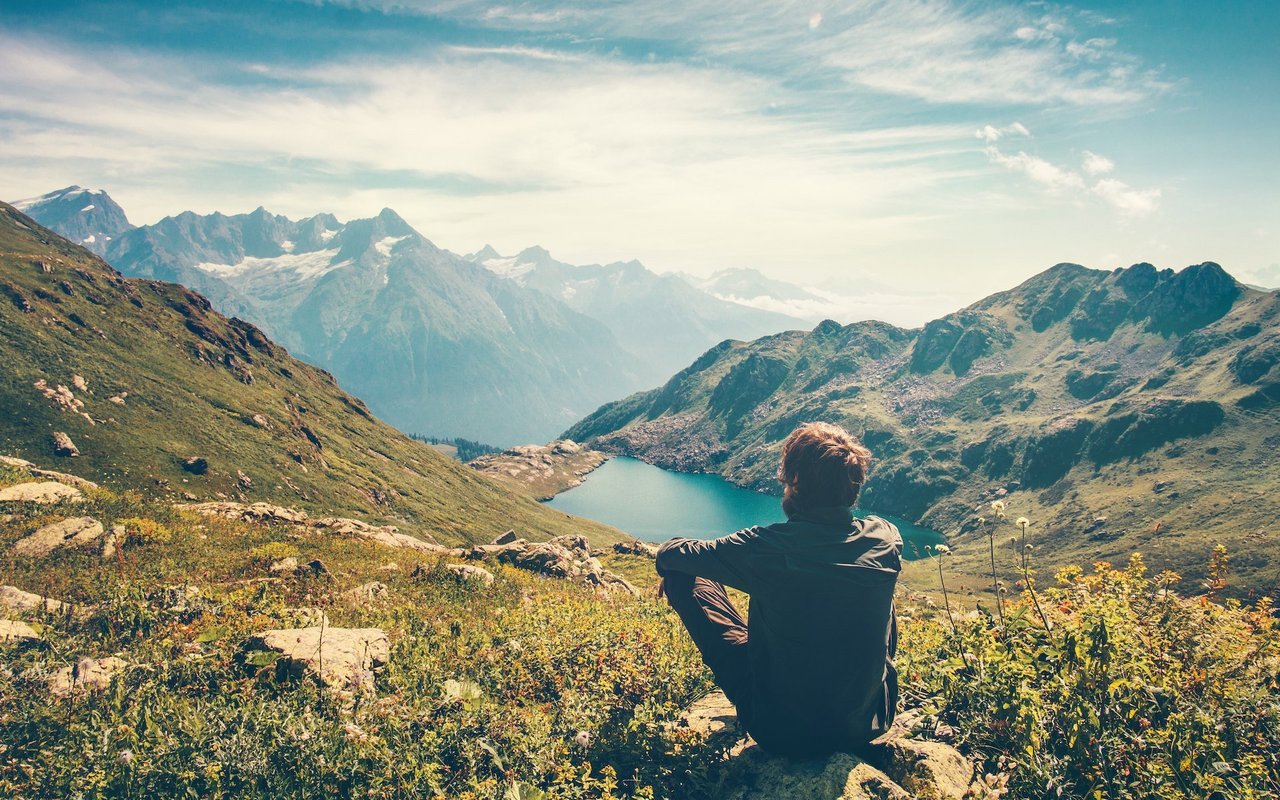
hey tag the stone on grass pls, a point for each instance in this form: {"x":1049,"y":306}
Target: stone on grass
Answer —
{"x":367,"y":592}
{"x":113,"y":542}
{"x":471,"y":572}
{"x":63,"y":446}
{"x":285,"y":566}
{"x":635,"y":547}
{"x":506,"y":538}
{"x":11,"y":630}
{"x":72,"y":532}
{"x":88,"y":675}
{"x":340,"y":658}
{"x":14,"y":599}
{"x":43,"y":492}
{"x":894,"y":767}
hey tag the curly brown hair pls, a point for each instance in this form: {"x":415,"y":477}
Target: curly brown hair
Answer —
{"x":822,"y":465}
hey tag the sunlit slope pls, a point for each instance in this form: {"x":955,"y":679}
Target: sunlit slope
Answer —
{"x":167,"y":380}
{"x":1133,"y":409}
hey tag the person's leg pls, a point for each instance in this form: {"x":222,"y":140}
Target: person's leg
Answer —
{"x":717,"y":628}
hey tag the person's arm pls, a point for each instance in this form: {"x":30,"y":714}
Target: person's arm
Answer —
{"x":732,"y":560}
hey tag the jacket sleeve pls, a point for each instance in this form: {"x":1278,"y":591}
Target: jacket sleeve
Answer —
{"x":733,"y":560}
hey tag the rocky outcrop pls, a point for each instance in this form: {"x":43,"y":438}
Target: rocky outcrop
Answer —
{"x":894,"y":767}
{"x":567,"y":557}
{"x":42,"y":492}
{"x":72,"y":532}
{"x":635,"y":547}
{"x":87,"y":675}
{"x":266,"y":513}
{"x":541,"y":470}
{"x":339,"y":658}
{"x":367,"y":593}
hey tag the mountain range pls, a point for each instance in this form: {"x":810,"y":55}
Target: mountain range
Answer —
{"x":661,"y":319}
{"x":1135,"y":409}
{"x":486,"y":347}
{"x":159,"y":393}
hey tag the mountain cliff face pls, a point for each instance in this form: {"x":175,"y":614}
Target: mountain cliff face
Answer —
{"x":660,"y":318}
{"x":435,"y":344}
{"x":1134,"y":409}
{"x":88,"y":218}
{"x":158,"y":392}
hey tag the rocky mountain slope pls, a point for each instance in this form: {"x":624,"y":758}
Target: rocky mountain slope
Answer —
{"x":88,"y":218}
{"x":143,"y":386}
{"x":1134,"y":409}
{"x":435,"y":344}
{"x":661,"y":319}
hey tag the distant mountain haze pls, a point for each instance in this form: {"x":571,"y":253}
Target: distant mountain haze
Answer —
{"x":660,"y":318}
{"x":435,"y":344}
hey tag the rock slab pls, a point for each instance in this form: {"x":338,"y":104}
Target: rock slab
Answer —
{"x":72,"y":532}
{"x":340,"y":658}
{"x":43,"y":492}
{"x":88,"y":675}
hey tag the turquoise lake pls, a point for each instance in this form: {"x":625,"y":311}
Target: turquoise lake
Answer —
{"x":656,"y":504}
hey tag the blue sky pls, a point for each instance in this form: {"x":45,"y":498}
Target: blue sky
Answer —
{"x":948,"y":149}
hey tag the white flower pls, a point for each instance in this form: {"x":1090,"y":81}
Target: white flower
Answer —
{"x":125,"y":757}
{"x":583,"y":739}
{"x":941,"y":549}
{"x":1023,"y":522}
{"x":997,"y":505}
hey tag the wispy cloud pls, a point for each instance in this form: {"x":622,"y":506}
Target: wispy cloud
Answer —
{"x":1065,"y":181}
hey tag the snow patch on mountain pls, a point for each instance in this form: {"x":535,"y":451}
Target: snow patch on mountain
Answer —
{"x":385,"y":244}
{"x":304,"y":265}
{"x":511,"y":268}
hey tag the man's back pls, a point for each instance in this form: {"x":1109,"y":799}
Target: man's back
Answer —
{"x":821,"y":631}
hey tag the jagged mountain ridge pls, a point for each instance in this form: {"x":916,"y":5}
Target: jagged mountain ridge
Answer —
{"x":1133,"y":409}
{"x":662,"y":319}
{"x":89,"y":218}
{"x":435,"y":344}
{"x":143,"y":375}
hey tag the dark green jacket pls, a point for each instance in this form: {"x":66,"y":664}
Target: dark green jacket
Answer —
{"x":821,"y":627}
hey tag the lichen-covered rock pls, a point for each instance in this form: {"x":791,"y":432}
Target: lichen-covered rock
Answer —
{"x":43,"y":492}
{"x":113,"y":542}
{"x":88,"y":675}
{"x":72,"y":532}
{"x":340,"y":658}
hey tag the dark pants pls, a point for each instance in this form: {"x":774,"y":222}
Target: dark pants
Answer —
{"x":719,"y":631}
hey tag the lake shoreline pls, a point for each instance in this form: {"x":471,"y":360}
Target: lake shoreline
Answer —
{"x":655,"y":504}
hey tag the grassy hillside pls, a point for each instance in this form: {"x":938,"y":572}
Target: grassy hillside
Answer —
{"x":542,"y":688}
{"x":167,"y":379}
{"x":1134,"y":409}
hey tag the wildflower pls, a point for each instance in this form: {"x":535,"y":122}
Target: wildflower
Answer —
{"x":125,"y":757}
{"x":1023,"y":522}
{"x":941,"y":549}
{"x":583,"y":739}
{"x":997,"y":505}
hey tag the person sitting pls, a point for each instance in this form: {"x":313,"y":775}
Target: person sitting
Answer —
{"x":810,"y":671}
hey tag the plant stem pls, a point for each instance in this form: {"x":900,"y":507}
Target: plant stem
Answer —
{"x":995,"y":583}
